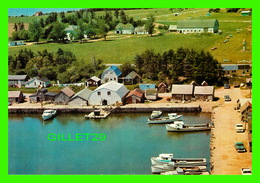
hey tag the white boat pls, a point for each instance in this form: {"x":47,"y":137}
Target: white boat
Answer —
{"x":170,"y":119}
{"x":48,"y":114}
{"x":183,"y":162}
{"x":156,"y":114}
{"x":170,"y":167}
{"x":179,"y":126}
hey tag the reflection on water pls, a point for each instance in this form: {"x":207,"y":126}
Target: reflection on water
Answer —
{"x":127,"y":149}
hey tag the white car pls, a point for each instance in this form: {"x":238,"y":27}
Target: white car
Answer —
{"x":239,"y":128}
{"x":246,"y":171}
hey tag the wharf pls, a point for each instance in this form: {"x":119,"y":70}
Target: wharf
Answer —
{"x":101,"y":115}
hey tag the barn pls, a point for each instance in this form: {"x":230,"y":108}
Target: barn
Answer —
{"x":112,"y":73}
{"x":135,"y":96}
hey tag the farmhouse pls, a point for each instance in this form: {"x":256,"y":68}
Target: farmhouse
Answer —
{"x":63,"y":96}
{"x":110,"y":93}
{"x":237,"y":70}
{"x":112,"y":73}
{"x":37,"y":82}
{"x":132,"y":78}
{"x":93,"y":81}
{"x":17,"y":80}
{"x":80,"y":98}
{"x":198,"y":26}
{"x":135,"y":96}
{"x":16,"y":43}
{"x":182,"y":92}
{"x":205,"y":93}
{"x":124,"y":29}
{"x":15,"y":96}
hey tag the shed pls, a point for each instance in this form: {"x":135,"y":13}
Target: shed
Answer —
{"x":205,"y":93}
{"x":146,"y":86}
{"x":198,"y":26}
{"x":17,"y":80}
{"x":172,"y":28}
{"x":182,"y":92}
{"x":16,"y":43}
{"x":110,"y":93}
{"x":132,"y":78}
{"x":151,"y":94}
{"x":37,"y":82}
{"x":80,"y":98}
{"x":112,"y":73}
{"x":162,"y":88}
{"x":135,"y":96}
{"x":93,"y":81}
{"x":15,"y":96}
{"x":63,"y":96}
{"x":50,"y":96}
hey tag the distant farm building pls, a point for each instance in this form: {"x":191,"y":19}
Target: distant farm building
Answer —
{"x":16,"y":43}
{"x":246,"y":13}
{"x":205,"y":93}
{"x":17,"y":80}
{"x":135,"y":96}
{"x":15,"y":96}
{"x":124,"y":29}
{"x":64,"y":96}
{"x":37,"y":82}
{"x":172,"y":28}
{"x":80,"y":98}
{"x":132,"y":78}
{"x":112,"y":73}
{"x":140,"y":30}
{"x":198,"y":26}
{"x":237,"y":70}
{"x":182,"y":92}
{"x":93,"y":81}
{"x":162,"y":88}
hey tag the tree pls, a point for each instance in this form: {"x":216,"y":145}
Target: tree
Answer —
{"x":80,"y":31}
{"x":126,"y":68}
{"x":103,"y":28}
{"x":35,"y":31}
{"x":149,"y":25}
{"x":57,"y":33}
{"x":15,"y":27}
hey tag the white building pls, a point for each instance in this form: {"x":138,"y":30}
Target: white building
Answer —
{"x":110,"y":74}
{"x":108,"y":94}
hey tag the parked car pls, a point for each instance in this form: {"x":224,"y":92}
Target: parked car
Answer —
{"x":240,"y":147}
{"x":239,"y":128}
{"x":236,"y":85}
{"x":246,"y":171}
{"x":227,"y":98}
{"x":226,"y":86}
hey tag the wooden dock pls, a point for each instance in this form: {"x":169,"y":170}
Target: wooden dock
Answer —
{"x":94,"y":115}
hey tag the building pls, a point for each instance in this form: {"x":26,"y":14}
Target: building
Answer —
{"x":205,"y":93}
{"x":162,"y":88}
{"x":172,"y":28}
{"x":93,"y":81}
{"x":112,"y":73}
{"x":135,"y":96}
{"x":198,"y":26}
{"x":124,"y":29}
{"x":15,"y":96}
{"x":80,"y":98}
{"x":140,"y":30}
{"x":71,"y":32}
{"x":194,"y":83}
{"x":132,"y":78}
{"x":37,"y":82}
{"x":204,"y":83}
{"x":17,"y":80}
{"x":64,"y":96}
{"x":182,"y":92}
{"x":246,"y":13}
{"x":16,"y":43}
{"x":110,"y":93}
{"x":242,"y":101}
{"x":151,"y":94}
{"x":146,"y":86}
{"x":237,"y":70}
{"x":50,"y":96}
{"x":39,"y":96}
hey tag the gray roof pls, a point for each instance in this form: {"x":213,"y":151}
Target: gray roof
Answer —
{"x":17,"y":77}
{"x":14,"y":94}
{"x":50,"y":94}
{"x":204,"y":90}
{"x":182,"y":89}
{"x":84,"y":94}
{"x":119,"y":88}
{"x":197,"y":23}
{"x":132,"y":75}
{"x":68,"y":91}
{"x":94,"y":78}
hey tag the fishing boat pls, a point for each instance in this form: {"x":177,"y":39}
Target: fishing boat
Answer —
{"x":156,"y":114}
{"x":179,"y":126}
{"x":183,"y":162}
{"x":170,"y":167}
{"x":48,"y":114}
{"x":170,"y":119}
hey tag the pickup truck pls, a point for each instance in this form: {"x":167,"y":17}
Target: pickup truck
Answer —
{"x":239,"y":128}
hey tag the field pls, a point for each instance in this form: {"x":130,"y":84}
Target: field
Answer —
{"x":123,"y":48}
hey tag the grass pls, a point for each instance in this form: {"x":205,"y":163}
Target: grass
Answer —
{"x":54,"y":89}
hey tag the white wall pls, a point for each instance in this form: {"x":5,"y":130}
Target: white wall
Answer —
{"x":96,"y":99}
{"x":109,"y":75}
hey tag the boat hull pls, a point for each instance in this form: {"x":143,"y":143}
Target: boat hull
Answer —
{"x":48,"y":116}
{"x":180,"y":162}
{"x":163,"y":120}
{"x":188,"y":128}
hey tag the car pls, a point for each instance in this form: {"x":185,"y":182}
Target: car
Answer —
{"x":236,"y":85}
{"x":227,"y":98}
{"x":240,"y":147}
{"x":239,"y":128}
{"x":246,"y":171}
{"x":226,"y":86}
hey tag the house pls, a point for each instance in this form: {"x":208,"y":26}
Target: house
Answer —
{"x":162,"y":88}
{"x":110,"y":93}
{"x":124,"y":29}
{"x":204,"y":83}
{"x":198,"y":26}
{"x":64,"y":96}
{"x":182,"y":92}
{"x":132,"y":78}
{"x":237,"y":70}
{"x":172,"y":28}
{"x":112,"y":73}
{"x":140,"y":30}
{"x":39,"y":96}
{"x":135,"y":96}
{"x":15,"y":96}
{"x":146,"y":86}
{"x":16,"y":43}
{"x":17,"y":80}
{"x":71,"y":31}
{"x":151,"y":94}
{"x":37,"y":82}
{"x":246,"y":13}
{"x":93,"y":81}
{"x":205,"y":93}
{"x":80,"y":98}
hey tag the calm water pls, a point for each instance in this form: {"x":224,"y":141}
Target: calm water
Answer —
{"x":129,"y":144}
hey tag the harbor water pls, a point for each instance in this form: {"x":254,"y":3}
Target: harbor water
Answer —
{"x":120,"y":144}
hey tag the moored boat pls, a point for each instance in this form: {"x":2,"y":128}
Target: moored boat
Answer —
{"x":170,"y":119}
{"x":179,"y":126}
{"x":179,"y":169}
{"x":48,"y":114}
{"x":156,"y":114}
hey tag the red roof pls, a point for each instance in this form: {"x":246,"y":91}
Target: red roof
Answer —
{"x":137,"y":92}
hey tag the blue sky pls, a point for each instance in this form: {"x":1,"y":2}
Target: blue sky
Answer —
{"x":31,"y":11}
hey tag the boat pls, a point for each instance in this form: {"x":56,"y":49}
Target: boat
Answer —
{"x":170,"y":119}
{"x":183,"y":162}
{"x":48,"y":114}
{"x":180,"y":171}
{"x":156,"y":114}
{"x":179,"y":126}
{"x":171,"y":167}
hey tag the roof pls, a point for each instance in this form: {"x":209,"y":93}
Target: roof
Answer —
{"x":71,"y":28}
{"x":14,"y":94}
{"x":94,"y":78}
{"x":172,"y":27}
{"x":115,"y":69}
{"x":162,"y":85}
{"x":146,"y":86}
{"x":182,"y":89}
{"x":137,"y":92}
{"x":119,"y":88}
{"x":122,"y":26}
{"x":151,"y":91}
{"x":67,"y":91}
{"x":17,"y":77}
{"x":132,"y":75}
{"x":42,"y":79}
{"x":140,"y":29}
{"x":242,"y":101}
{"x":204,"y":90}
{"x":229,"y":67}
{"x":194,"y":83}
{"x":197,"y":23}
{"x":50,"y":94}
{"x":245,"y":106}
{"x":84,"y":94}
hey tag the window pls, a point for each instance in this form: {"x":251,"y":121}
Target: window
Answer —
{"x":98,"y":93}
{"x":114,"y":78}
{"x":108,"y":93}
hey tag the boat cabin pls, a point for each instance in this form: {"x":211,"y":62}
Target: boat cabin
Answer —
{"x":166,"y":156}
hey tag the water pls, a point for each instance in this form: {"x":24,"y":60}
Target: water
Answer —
{"x":127,"y":149}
